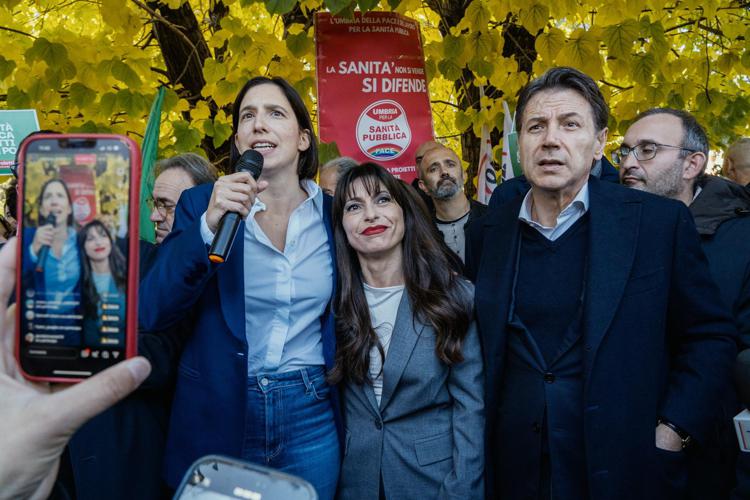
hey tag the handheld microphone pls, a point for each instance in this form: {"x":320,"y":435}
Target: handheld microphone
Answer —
{"x":44,"y":251}
{"x":250,"y":161}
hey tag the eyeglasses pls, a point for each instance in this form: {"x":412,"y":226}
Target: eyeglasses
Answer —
{"x":642,"y":152}
{"x":164,"y":208}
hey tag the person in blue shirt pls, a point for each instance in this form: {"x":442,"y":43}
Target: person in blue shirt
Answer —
{"x":103,"y":286}
{"x":252,"y":377}
{"x":52,"y":264}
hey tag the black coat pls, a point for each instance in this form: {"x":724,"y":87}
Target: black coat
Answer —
{"x":119,"y":453}
{"x":657,"y":340}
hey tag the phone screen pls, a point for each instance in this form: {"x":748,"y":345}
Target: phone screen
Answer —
{"x":74,"y":265}
{"x":223,"y":478}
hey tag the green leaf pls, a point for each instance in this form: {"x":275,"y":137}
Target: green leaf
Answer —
{"x":107,"y":104}
{"x":534,"y":18}
{"x":477,"y":17}
{"x":80,"y":95}
{"x":463,"y":121}
{"x":481,"y":68}
{"x":481,"y":45}
{"x":582,"y":51}
{"x":643,"y":68}
{"x":213,"y":70}
{"x":280,"y":6}
{"x":449,"y":69}
{"x":222,"y":132}
{"x":549,"y":44}
{"x":186,"y":138}
{"x":327,"y":151}
{"x":620,"y":37}
{"x":453,"y":47}
{"x":44,"y":50}
{"x":125,"y":73}
{"x":18,"y":99}
{"x":6,"y":67}
{"x":55,"y":75}
{"x":299,"y":44}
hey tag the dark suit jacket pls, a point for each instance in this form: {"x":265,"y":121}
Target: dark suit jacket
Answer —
{"x":208,"y":412}
{"x":658,"y":341}
{"x":425,"y":438}
{"x":118,"y":454}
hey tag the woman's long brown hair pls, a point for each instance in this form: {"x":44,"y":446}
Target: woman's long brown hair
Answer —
{"x":438,"y":296}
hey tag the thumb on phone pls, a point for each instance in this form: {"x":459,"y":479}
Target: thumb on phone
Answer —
{"x":77,"y":404}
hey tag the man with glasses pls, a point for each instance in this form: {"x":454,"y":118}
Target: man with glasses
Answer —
{"x":665,"y":152}
{"x":604,"y":339}
{"x":173,"y":176}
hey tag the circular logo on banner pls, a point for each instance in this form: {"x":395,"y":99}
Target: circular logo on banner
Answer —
{"x":81,"y":209}
{"x":382,"y":131}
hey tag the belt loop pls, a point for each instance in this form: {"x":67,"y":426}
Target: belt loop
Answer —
{"x":306,"y":379}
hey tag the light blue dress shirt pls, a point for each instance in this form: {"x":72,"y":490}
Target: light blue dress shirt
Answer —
{"x":61,"y":274}
{"x":285,"y":292}
{"x":567,"y":217}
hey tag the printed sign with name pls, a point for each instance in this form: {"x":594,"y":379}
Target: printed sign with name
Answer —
{"x":373,"y":100}
{"x":15,"y":125}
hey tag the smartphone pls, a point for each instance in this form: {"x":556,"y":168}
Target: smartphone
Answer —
{"x":222,"y":478}
{"x":77,"y":254}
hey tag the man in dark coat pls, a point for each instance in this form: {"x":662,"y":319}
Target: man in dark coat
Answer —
{"x":441,"y":177}
{"x":606,"y":343}
{"x":665,"y":152}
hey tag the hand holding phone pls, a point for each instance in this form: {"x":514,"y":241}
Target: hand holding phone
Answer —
{"x":37,"y":419}
{"x":78,"y":248}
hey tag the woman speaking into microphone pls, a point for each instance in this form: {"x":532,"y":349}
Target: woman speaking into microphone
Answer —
{"x":252,"y":377}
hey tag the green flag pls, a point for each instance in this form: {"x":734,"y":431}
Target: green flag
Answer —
{"x":149,"y":148}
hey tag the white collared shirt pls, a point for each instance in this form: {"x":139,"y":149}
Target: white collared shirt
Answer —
{"x":286,"y":292}
{"x":567,"y":217}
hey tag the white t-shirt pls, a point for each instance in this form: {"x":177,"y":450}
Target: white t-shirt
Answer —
{"x":383,"y":304}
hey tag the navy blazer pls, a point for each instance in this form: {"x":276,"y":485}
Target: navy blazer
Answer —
{"x":208,"y":411}
{"x":657,"y":339}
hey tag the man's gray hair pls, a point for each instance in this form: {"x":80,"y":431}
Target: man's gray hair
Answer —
{"x":200,"y":170}
{"x":342,"y":164}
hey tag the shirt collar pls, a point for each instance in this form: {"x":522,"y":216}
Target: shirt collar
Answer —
{"x":313,"y":191}
{"x":579,"y":204}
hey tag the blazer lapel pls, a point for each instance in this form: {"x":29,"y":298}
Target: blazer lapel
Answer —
{"x":406,"y":331}
{"x":613,"y":236}
{"x":231,"y":282}
{"x":494,"y":278}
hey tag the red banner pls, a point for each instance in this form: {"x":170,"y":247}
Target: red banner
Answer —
{"x":373,"y":100}
{"x":80,"y":182}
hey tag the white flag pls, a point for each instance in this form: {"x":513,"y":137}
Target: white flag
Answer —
{"x":508,"y":134}
{"x":487,"y":172}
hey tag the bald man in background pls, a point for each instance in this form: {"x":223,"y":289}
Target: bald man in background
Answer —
{"x":737,"y":162}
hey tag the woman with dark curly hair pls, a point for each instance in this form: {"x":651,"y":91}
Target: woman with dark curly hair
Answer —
{"x":407,"y":349}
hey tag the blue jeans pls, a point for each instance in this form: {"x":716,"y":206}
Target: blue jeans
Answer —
{"x":290,"y":427}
